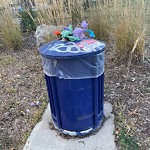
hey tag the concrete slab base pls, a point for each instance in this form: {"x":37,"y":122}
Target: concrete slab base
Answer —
{"x":43,"y":138}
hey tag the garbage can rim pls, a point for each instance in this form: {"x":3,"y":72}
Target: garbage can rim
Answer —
{"x":68,"y":50}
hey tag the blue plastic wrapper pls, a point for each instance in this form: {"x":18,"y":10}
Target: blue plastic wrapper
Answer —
{"x":73,"y":60}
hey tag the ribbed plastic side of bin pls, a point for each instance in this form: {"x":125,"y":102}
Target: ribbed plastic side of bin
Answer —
{"x":76,"y":105}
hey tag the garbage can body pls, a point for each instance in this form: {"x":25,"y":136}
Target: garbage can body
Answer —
{"x":75,"y":83}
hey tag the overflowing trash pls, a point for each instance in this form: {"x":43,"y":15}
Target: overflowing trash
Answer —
{"x":63,"y":33}
{"x":77,"y":34}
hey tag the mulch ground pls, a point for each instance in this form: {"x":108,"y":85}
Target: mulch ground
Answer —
{"x":128,"y":89}
{"x":23,"y":96}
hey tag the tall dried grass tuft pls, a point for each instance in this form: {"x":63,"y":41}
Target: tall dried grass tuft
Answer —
{"x":120,"y":20}
{"x":58,"y":12}
{"x":9,"y":28}
{"x":100,"y":19}
{"x":124,"y":20}
{"x":63,"y":12}
{"x":129,"y":25}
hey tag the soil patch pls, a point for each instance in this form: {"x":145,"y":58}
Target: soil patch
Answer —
{"x":23,"y":96}
{"x":129,"y":93}
{"x":21,"y":85}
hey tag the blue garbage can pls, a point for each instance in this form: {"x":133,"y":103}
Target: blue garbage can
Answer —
{"x":74,"y":73}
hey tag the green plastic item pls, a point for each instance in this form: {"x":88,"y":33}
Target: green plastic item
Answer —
{"x":68,"y":34}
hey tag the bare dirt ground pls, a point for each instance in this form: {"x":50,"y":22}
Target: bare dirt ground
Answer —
{"x":23,"y":94}
{"x":128,"y":89}
{"x":23,"y":97}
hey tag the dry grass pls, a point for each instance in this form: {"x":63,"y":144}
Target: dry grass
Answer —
{"x":59,"y":12}
{"x":121,"y":20}
{"x":129,"y":25}
{"x":9,"y":28}
{"x":74,"y":11}
{"x":100,"y":15}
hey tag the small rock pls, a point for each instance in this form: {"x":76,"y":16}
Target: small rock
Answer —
{"x":18,"y":76}
{"x":32,"y":104}
{"x":117,"y":84}
{"x":28,"y":111}
{"x":117,"y":132}
{"x":38,"y":103}
{"x":133,"y":79}
{"x":22,"y":113}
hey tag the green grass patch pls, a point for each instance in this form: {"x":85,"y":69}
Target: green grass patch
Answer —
{"x":127,"y":142}
{"x":6,"y":60}
{"x":1,"y":45}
